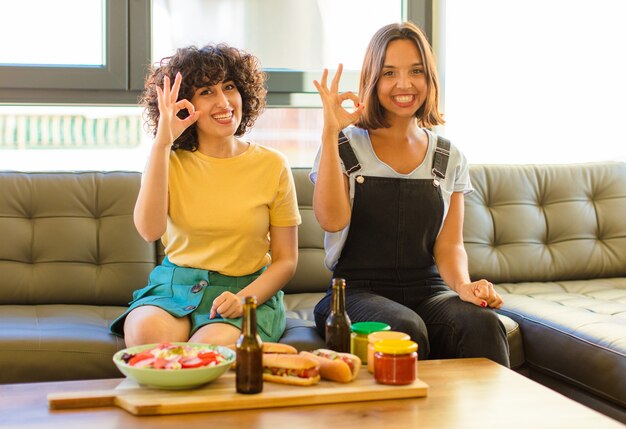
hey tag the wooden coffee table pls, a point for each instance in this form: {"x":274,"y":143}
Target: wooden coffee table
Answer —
{"x":463,"y":393}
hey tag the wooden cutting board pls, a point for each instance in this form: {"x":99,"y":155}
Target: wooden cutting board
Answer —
{"x":220,"y":395}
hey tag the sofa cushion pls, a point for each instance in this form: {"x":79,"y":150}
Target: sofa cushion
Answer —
{"x":69,"y":238}
{"x":574,"y":331}
{"x":62,"y":342}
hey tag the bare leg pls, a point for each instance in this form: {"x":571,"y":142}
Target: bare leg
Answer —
{"x":216,"y":333}
{"x":148,"y":324}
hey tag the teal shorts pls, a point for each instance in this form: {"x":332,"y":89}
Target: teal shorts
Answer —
{"x":190,"y":292}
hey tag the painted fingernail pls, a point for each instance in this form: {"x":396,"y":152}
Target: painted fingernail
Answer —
{"x":483,"y":304}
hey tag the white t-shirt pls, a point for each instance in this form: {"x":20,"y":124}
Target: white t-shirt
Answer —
{"x":457,"y":179}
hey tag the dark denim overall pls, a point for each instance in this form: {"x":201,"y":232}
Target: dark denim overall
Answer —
{"x":391,"y":276}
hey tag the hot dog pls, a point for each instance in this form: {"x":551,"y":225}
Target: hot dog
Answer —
{"x":341,"y":367}
{"x":270,"y":348}
{"x":290,"y":369}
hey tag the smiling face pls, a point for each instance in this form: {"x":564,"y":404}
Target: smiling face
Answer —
{"x":221,"y":107}
{"x":402,"y":84}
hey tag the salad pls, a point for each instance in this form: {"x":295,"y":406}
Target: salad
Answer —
{"x":169,"y":356}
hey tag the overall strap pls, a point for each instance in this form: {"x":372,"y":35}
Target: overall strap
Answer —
{"x":347,"y":155}
{"x":440,"y":160}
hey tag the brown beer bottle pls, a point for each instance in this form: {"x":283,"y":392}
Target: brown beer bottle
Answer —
{"x":338,"y":323}
{"x":249,"y":371}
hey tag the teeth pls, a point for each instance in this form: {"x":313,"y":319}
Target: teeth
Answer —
{"x":224,"y":116}
{"x":403,"y":98}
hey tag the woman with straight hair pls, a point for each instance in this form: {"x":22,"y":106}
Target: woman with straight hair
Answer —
{"x":389,"y":194}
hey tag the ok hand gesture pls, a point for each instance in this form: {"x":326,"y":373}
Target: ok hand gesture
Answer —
{"x":170,"y":126}
{"x":335,"y":116}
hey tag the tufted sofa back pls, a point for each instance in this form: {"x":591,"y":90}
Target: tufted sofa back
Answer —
{"x":69,"y":238}
{"x":311,"y":275}
{"x":546,"y":222}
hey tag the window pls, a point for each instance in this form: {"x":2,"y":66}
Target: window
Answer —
{"x":535,"y":81}
{"x":100,"y":57}
{"x":59,"y":94}
{"x":294,"y":40}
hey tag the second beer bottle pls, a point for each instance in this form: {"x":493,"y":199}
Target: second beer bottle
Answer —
{"x":338,"y":323}
{"x":249,"y":370}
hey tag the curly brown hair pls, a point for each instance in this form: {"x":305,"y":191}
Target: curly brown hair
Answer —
{"x":201,"y":67}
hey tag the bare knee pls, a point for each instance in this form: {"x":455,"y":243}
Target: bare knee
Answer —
{"x":149,"y":324}
{"x":216,"y":333}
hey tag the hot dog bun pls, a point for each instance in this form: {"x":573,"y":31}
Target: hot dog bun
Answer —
{"x":290,"y":369}
{"x":272,"y":348}
{"x":341,"y":367}
{"x":279,"y":348}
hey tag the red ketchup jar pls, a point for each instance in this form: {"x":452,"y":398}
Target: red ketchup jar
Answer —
{"x":395,"y":361}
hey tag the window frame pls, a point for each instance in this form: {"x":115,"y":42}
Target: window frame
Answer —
{"x":294,"y":88}
{"x":119,"y":81}
{"x":128,"y":48}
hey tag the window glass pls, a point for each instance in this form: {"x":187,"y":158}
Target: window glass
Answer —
{"x":295,"y":132}
{"x":91,"y":138}
{"x":302,"y":34}
{"x":51,"y":35}
{"x":285,"y":34}
{"x":115,"y":138}
{"x":536,"y":81}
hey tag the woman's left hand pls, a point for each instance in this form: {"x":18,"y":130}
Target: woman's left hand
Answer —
{"x":227,"y":305}
{"x":481,"y":293}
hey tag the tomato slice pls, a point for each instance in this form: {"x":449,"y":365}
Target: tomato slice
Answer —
{"x":145,"y":363}
{"x":194,"y":362}
{"x":139,"y":357}
{"x":208,"y":355}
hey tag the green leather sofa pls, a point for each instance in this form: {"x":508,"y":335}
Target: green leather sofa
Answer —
{"x":552,"y":238}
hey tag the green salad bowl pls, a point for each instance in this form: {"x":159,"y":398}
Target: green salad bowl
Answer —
{"x":175,"y":379}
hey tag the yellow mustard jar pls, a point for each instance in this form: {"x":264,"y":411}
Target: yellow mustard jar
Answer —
{"x":358,"y":337}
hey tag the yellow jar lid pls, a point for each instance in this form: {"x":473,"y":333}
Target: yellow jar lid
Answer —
{"x":387,"y":335}
{"x":395,"y":347}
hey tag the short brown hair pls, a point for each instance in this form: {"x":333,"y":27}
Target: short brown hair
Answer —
{"x":373,"y":117}
{"x":202,"y":67}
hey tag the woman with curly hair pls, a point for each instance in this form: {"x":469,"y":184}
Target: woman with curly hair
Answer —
{"x":221,"y":205}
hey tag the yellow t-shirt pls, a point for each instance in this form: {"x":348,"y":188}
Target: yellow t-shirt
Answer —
{"x":220,"y":209}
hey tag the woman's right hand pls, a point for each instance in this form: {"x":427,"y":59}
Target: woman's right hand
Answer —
{"x":170,"y":126}
{"x":336,"y":117}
